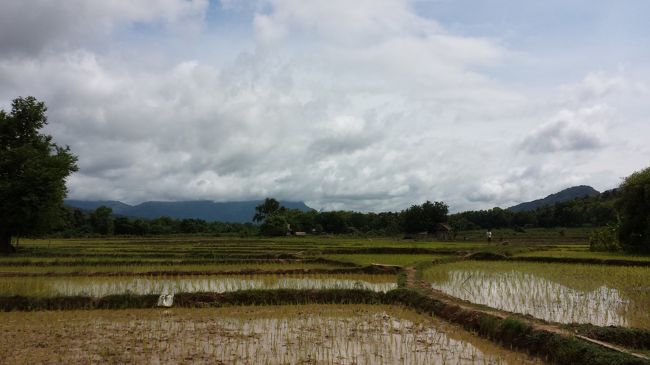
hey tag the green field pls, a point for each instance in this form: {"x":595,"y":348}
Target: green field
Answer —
{"x":384,"y":259}
{"x":99,"y":286}
{"x":566,"y":293}
{"x":123,"y":272}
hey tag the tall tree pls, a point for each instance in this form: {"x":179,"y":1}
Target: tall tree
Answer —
{"x":425,"y":217}
{"x":102,"y":221}
{"x":634,"y":210}
{"x":269,"y":207}
{"x":33,"y":170}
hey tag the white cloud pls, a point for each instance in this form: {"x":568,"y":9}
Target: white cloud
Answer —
{"x":340,"y":23}
{"x":595,"y":86}
{"x":583,"y":129}
{"x":369,"y":107}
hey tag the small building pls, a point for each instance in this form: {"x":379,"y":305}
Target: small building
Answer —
{"x":444,"y":232}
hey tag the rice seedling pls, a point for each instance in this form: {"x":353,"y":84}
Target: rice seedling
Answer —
{"x":565,"y":293}
{"x":323,"y":334}
{"x":97,"y":286}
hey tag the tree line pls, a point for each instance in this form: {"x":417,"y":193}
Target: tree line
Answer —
{"x":75,"y":222}
{"x":277,"y":220}
{"x":595,"y":211}
{"x":270,"y":217}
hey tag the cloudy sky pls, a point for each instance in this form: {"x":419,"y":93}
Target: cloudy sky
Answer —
{"x":367,"y":105}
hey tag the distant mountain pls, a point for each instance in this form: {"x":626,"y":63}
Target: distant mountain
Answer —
{"x":236,"y":212}
{"x":117,"y":206}
{"x":575,"y":192}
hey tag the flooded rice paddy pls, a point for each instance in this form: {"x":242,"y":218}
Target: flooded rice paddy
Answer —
{"x":305,"y":334}
{"x":98,"y":286}
{"x":564,"y":293}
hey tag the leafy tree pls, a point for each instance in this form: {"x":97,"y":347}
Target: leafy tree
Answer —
{"x":605,"y":239}
{"x":33,"y":170}
{"x":425,"y":217}
{"x":163,"y":225}
{"x":274,"y":225}
{"x":192,"y":225}
{"x":413,"y":220}
{"x":435,"y":213}
{"x":269,"y":207}
{"x":101,"y":219}
{"x":332,"y":222}
{"x":634,"y":210}
{"x":123,"y":226}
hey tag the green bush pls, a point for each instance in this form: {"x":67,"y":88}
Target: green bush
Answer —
{"x":274,"y":225}
{"x":605,"y":239}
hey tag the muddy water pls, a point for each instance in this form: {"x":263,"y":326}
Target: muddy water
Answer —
{"x":97,"y":286}
{"x":562,"y":293}
{"x":313,"y":334}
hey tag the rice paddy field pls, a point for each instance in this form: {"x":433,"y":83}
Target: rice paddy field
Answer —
{"x":308,"y":334}
{"x":565,"y":293}
{"x":65,"y":270}
{"x":99,"y":286}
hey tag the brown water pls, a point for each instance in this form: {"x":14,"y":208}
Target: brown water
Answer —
{"x":307,"y":334}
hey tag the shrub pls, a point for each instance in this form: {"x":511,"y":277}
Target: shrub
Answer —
{"x":605,"y":239}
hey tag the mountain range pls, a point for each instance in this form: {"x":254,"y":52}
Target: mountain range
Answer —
{"x":243,"y":211}
{"x":235,"y":212}
{"x":571,"y":193}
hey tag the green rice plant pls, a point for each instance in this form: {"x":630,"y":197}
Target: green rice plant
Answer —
{"x":566,"y":293}
{"x":98,"y":286}
{"x":347,"y":334}
{"x":386,"y":259}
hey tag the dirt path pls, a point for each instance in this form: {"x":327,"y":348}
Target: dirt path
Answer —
{"x":410,"y":277}
{"x":477,"y":308}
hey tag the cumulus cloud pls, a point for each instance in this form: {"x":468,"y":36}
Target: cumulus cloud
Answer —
{"x":583,"y":129}
{"x":371,"y":107}
{"x":520,"y":184}
{"x":593,"y":87}
{"x":29,"y":26}
{"x":368,"y":21}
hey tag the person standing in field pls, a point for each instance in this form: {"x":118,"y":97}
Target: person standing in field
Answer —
{"x":488,"y":234}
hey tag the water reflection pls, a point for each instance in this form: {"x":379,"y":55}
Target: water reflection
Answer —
{"x":526,"y":293}
{"x":98,"y":287}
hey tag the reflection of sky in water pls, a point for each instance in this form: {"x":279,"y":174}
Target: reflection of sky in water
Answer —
{"x":102,"y":287}
{"x":529,"y":294}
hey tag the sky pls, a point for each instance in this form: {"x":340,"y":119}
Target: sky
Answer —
{"x":370,"y":105}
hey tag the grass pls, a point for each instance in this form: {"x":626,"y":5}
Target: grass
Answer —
{"x":386,"y":259}
{"x":554,"y":236}
{"x":582,"y":252}
{"x":628,"y":337}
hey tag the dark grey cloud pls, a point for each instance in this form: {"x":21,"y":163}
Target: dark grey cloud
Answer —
{"x":31,"y":26}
